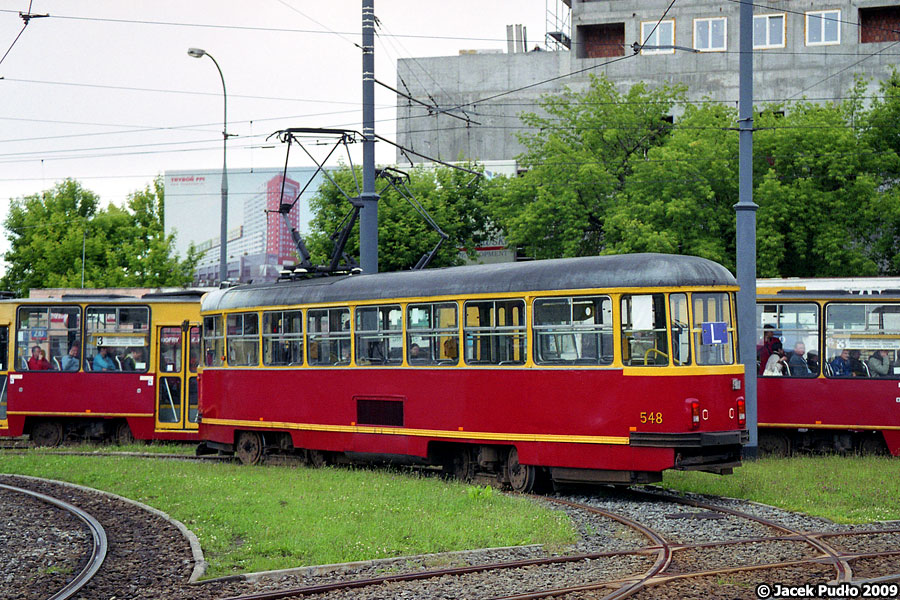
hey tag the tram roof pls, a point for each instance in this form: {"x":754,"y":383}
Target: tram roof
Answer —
{"x":589,"y":272}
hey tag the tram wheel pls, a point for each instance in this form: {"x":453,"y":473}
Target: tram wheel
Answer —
{"x":317,"y":459}
{"x":123,"y":435}
{"x":460,"y":465}
{"x":521,"y":477}
{"x":250,"y":447}
{"x":774,"y":444}
{"x":47,"y":433}
{"x":873,"y":445}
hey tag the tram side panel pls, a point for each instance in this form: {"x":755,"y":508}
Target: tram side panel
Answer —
{"x":832,"y":403}
{"x":77,"y":395}
{"x":575,"y":418}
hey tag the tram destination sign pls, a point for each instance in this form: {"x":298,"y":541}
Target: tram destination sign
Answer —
{"x":119,"y":341}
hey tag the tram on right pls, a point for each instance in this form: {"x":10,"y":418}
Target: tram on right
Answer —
{"x":828,"y":359}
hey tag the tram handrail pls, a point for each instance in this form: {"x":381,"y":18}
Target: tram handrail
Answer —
{"x":649,"y":350}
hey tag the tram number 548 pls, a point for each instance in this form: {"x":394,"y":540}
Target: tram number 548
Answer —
{"x":652,"y":417}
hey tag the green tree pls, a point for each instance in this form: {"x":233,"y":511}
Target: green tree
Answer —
{"x":122,"y":246}
{"x":456,"y":200}
{"x":578,"y":160}
{"x":678,"y":198}
{"x":607,"y":174}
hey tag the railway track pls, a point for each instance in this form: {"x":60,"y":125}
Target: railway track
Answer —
{"x":98,"y":547}
{"x":641,"y":544}
{"x":730,"y":559}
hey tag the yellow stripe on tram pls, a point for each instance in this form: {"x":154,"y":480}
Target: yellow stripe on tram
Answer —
{"x":476,"y":435}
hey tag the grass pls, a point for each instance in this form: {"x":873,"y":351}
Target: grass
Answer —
{"x":845,"y":489}
{"x":137,"y":447}
{"x":260,"y":518}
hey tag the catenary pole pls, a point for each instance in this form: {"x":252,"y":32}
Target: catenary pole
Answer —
{"x":745,"y":225}
{"x":368,"y":215}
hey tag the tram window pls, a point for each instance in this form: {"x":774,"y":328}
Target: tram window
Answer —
{"x":713,"y":329}
{"x":213,"y":341}
{"x":169,"y":350}
{"x":494,"y":332}
{"x":432,"y":334}
{"x":869,"y":332}
{"x":44,"y":337}
{"x":796,"y":327}
{"x":112,"y":333}
{"x":283,"y":338}
{"x":379,"y":335}
{"x":681,"y":329}
{"x":576,"y":330}
{"x":4,"y":346}
{"x":328,"y":336}
{"x":194,"y":349}
{"x":644,"y":330}
{"x":242,"y":339}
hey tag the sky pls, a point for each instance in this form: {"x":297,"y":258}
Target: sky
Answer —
{"x":103,"y":91}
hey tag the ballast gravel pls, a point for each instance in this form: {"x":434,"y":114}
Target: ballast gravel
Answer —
{"x":150,"y":558}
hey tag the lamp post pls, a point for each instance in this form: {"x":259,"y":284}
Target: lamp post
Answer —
{"x":223,"y":234}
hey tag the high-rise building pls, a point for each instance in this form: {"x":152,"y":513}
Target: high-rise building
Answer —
{"x":279,"y":242}
{"x":259,"y":241}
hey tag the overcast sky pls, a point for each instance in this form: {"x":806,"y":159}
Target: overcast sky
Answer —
{"x":104,"y":91}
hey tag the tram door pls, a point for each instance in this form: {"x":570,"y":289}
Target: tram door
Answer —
{"x":4,"y":368}
{"x":178,"y":354}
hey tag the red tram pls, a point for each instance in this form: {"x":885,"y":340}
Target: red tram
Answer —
{"x":597,"y":369}
{"x":95,"y":367}
{"x":834,"y":403}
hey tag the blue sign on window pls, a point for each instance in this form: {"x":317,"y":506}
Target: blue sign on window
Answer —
{"x":714,"y":332}
{"x":38,"y":334}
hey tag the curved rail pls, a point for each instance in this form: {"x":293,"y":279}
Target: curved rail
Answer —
{"x":664,"y":557}
{"x":841,"y":566}
{"x":98,"y":550}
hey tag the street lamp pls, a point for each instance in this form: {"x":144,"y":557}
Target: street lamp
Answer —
{"x":223,"y":234}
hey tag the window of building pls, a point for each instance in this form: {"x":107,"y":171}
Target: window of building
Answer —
{"x":601,"y":41}
{"x":433,"y":334}
{"x":213,"y":341}
{"x":44,"y":337}
{"x":576,"y":330}
{"x":495,"y":332}
{"x":796,"y":326}
{"x":242,"y":339}
{"x":661,"y":35}
{"x":283,"y":338}
{"x":713,"y":329}
{"x":328,"y":336}
{"x":823,"y":27}
{"x":710,"y":34}
{"x":879,"y":24}
{"x":114,"y":332}
{"x":862,"y":340}
{"x":379,"y":335}
{"x":645,"y":340}
{"x":768,"y":31}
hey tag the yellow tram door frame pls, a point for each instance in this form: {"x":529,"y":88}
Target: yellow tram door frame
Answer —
{"x":177,"y":355}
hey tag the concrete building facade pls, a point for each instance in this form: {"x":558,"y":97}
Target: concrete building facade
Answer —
{"x":810,"y":48}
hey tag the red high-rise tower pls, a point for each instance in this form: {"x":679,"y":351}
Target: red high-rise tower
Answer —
{"x":278,"y":234}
